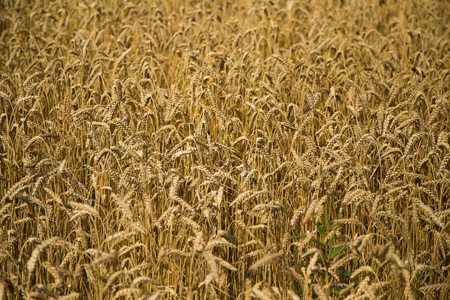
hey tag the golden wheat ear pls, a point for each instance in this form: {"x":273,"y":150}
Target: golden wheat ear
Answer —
{"x":224,"y":149}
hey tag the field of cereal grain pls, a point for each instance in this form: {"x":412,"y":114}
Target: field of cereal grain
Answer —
{"x":224,"y":149}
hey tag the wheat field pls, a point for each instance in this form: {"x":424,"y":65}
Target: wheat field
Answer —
{"x":224,"y":149}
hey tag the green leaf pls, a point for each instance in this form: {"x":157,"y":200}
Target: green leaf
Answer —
{"x":321,"y":231}
{"x":299,"y":265}
{"x":335,"y":251}
{"x":400,"y":229}
{"x":345,"y":273}
{"x":334,"y":291}
{"x":318,"y":242}
{"x":297,"y":237}
{"x":330,"y":239}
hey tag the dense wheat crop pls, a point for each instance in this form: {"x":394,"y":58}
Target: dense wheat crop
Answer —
{"x":224,"y":149}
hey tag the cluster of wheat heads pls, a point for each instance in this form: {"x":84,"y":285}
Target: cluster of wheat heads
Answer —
{"x":224,"y":149}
